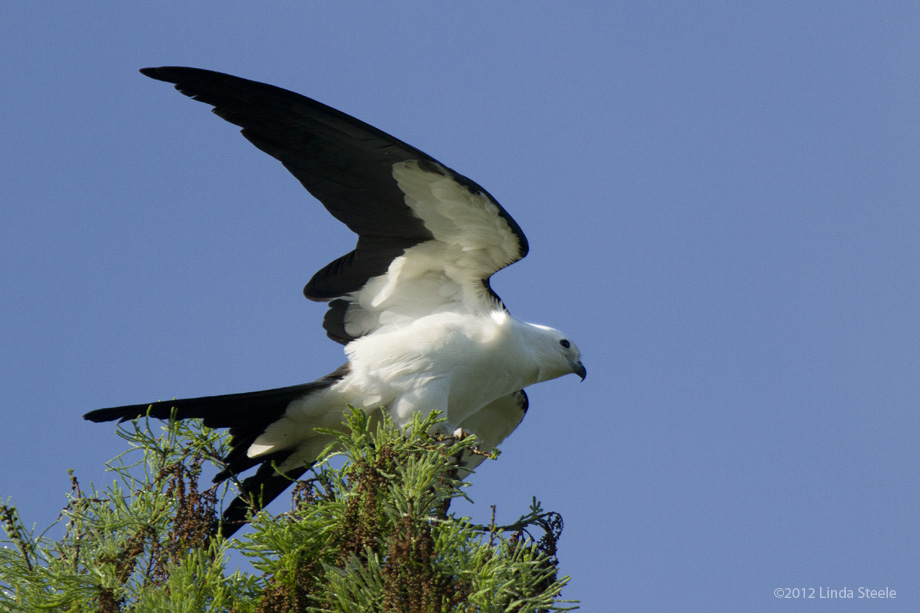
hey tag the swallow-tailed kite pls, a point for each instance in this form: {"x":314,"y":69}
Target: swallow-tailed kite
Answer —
{"x":412,"y":305}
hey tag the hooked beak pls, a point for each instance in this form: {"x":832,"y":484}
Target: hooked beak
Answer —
{"x":579,"y":369}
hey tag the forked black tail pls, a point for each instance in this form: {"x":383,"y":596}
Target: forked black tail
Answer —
{"x":247,"y":416}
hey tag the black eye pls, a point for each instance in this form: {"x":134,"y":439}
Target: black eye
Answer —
{"x":565,"y":343}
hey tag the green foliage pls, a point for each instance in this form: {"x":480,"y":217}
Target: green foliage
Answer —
{"x":374,"y":535}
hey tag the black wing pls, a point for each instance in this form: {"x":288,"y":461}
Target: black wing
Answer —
{"x":348,"y":166}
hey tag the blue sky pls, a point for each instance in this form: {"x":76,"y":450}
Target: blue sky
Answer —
{"x":722,"y":205}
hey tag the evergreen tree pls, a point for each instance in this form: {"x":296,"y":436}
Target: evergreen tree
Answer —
{"x":373,"y":535}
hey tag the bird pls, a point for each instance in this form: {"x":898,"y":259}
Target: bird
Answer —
{"x":412,"y":303}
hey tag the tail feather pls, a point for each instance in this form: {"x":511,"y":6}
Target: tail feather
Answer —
{"x":255,"y":493}
{"x":247,"y":416}
{"x":235,"y":411}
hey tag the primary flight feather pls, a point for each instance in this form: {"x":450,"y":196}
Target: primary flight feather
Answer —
{"x":412,"y":303}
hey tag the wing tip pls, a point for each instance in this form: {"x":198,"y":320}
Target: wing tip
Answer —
{"x":174,"y":74}
{"x":160,"y":73}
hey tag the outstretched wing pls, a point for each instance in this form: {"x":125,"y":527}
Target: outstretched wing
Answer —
{"x":428,"y":237}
